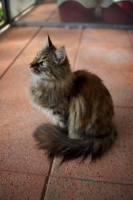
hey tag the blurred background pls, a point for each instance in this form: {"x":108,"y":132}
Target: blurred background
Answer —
{"x":74,"y":13}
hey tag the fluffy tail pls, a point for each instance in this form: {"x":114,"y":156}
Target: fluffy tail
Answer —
{"x":56,"y":143}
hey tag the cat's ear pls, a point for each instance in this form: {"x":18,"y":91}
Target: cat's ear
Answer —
{"x":48,"y":42}
{"x":61,"y":54}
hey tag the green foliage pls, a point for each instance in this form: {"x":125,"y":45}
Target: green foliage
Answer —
{"x":1,"y":17}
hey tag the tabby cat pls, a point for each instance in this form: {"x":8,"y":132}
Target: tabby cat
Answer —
{"x":79,"y":103}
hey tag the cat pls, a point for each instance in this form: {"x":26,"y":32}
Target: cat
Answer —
{"x":79,"y":103}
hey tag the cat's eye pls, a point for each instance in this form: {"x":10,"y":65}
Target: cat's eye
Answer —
{"x":44,"y":63}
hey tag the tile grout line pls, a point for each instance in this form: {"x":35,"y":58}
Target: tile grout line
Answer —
{"x":63,"y":177}
{"x":130,"y":38}
{"x":52,"y":13}
{"x":94,"y":180}
{"x":128,"y":107}
{"x":20,"y":53}
{"x":46,"y":181}
{"x":77,"y":50}
{"x":47,"y":176}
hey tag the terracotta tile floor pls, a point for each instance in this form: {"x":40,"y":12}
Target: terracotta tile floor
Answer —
{"x":25,"y":172}
{"x":47,"y":12}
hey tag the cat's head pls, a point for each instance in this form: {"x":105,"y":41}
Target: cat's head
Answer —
{"x":50,"y":63}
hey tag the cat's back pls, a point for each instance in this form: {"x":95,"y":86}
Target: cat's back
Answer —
{"x":85,"y":80}
{"x":91,"y":87}
{"x":89,"y":90}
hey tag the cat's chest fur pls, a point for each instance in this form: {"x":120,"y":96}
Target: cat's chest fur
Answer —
{"x":51,"y":100}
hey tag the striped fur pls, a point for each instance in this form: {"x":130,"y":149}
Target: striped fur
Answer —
{"x":78,"y":101}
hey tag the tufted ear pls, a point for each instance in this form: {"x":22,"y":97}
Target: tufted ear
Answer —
{"x":47,"y":42}
{"x":61,"y":54}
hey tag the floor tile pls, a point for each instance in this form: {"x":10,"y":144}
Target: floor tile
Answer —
{"x":11,"y":44}
{"x":19,"y":186}
{"x":40,"y":13}
{"x":109,"y":54}
{"x":55,"y":17}
{"x":64,"y":189}
{"x":130,"y":32}
{"x":18,"y":121}
{"x":115,"y":166}
{"x":107,"y":38}
{"x":18,"y":149}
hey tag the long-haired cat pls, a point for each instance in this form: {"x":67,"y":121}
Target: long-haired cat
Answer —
{"x":79,"y":103}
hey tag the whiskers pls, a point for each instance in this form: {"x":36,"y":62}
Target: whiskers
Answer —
{"x":25,"y":69}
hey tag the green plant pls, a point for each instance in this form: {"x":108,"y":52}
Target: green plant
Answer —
{"x":1,"y":17}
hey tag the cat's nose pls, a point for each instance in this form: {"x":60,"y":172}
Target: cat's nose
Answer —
{"x":31,"y":65}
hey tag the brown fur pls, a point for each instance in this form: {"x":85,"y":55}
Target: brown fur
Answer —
{"x":79,"y":102}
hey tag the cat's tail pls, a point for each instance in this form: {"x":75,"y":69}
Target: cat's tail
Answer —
{"x":56,"y":143}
